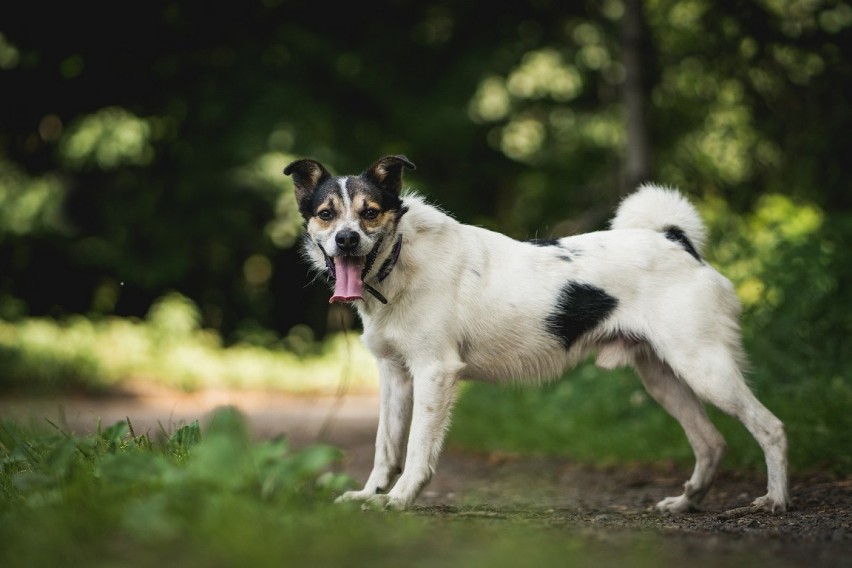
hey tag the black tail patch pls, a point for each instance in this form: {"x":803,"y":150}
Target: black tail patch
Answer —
{"x":579,"y":308}
{"x":677,"y":235}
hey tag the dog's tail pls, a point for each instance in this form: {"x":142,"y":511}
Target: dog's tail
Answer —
{"x":664,"y":210}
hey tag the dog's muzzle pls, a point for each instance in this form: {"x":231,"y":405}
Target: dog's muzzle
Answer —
{"x":349,"y":272}
{"x":347,"y":241}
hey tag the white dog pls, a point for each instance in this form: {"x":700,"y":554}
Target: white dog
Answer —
{"x":441,"y":301}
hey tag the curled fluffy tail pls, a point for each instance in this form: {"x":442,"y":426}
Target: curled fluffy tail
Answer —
{"x":661,"y":209}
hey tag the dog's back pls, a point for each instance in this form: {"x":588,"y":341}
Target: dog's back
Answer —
{"x":525,"y":310}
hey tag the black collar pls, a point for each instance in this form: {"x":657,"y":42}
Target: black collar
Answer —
{"x":385,"y":269}
{"x":390,"y":262}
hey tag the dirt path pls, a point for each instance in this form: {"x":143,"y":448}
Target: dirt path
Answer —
{"x":604,"y":503}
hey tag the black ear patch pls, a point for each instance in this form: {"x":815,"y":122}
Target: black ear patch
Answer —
{"x":386,"y":173}
{"x":579,"y":308}
{"x":307,"y":175}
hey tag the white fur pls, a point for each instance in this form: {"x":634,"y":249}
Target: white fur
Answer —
{"x":465,"y":302}
{"x":344,"y":195}
{"x":658,"y":208}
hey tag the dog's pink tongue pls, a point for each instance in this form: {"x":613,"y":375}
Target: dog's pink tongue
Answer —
{"x":348,"y":285}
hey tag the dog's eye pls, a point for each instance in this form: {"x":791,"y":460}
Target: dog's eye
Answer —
{"x":326,"y":214}
{"x":370,"y":213}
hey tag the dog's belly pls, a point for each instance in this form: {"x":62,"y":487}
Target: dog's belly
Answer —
{"x":524,"y":362}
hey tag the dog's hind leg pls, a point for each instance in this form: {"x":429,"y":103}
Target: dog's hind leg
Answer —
{"x":680,"y":401}
{"x":714,"y":374}
{"x":394,"y":418}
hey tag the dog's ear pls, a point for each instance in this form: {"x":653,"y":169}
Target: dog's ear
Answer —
{"x":307,"y":175}
{"x":387,"y":173}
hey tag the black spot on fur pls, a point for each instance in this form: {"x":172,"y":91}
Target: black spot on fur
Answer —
{"x":677,"y":235}
{"x":545,"y":242}
{"x":579,"y":308}
{"x":400,"y":212}
{"x":564,"y":255}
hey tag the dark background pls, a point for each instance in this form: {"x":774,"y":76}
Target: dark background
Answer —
{"x":141,"y":145}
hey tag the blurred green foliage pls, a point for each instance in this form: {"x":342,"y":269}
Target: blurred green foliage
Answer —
{"x":145,"y":155}
{"x":142,"y":155}
{"x":169,"y":348}
{"x":117,"y":494}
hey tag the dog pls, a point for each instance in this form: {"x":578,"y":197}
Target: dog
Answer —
{"x":440,"y":301}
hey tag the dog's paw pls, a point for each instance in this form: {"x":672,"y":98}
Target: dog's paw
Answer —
{"x":384,"y":503}
{"x":770,"y":503}
{"x":351,"y":496}
{"x":676,"y":505}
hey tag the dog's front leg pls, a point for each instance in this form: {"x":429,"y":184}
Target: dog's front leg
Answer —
{"x":395,"y":386}
{"x":434,"y":394}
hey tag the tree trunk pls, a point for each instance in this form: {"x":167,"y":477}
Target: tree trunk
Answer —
{"x":634,"y":50}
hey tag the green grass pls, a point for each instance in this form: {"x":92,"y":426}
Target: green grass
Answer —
{"x":207,"y":499}
{"x":605,"y":418}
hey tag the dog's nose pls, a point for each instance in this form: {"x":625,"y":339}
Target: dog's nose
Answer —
{"x":347,"y":240}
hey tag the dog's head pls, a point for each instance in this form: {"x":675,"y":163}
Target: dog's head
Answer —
{"x":350,"y":220}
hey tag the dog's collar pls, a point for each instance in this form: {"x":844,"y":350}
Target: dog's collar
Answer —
{"x":390,"y":262}
{"x":384,"y":270}
{"x":371,"y":258}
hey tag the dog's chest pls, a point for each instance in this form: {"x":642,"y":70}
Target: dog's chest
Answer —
{"x":495,"y":343}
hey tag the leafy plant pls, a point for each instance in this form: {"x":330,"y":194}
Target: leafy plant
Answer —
{"x":119,"y":483}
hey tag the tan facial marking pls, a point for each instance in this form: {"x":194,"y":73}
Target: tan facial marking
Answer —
{"x":333,"y":205}
{"x":362,"y":205}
